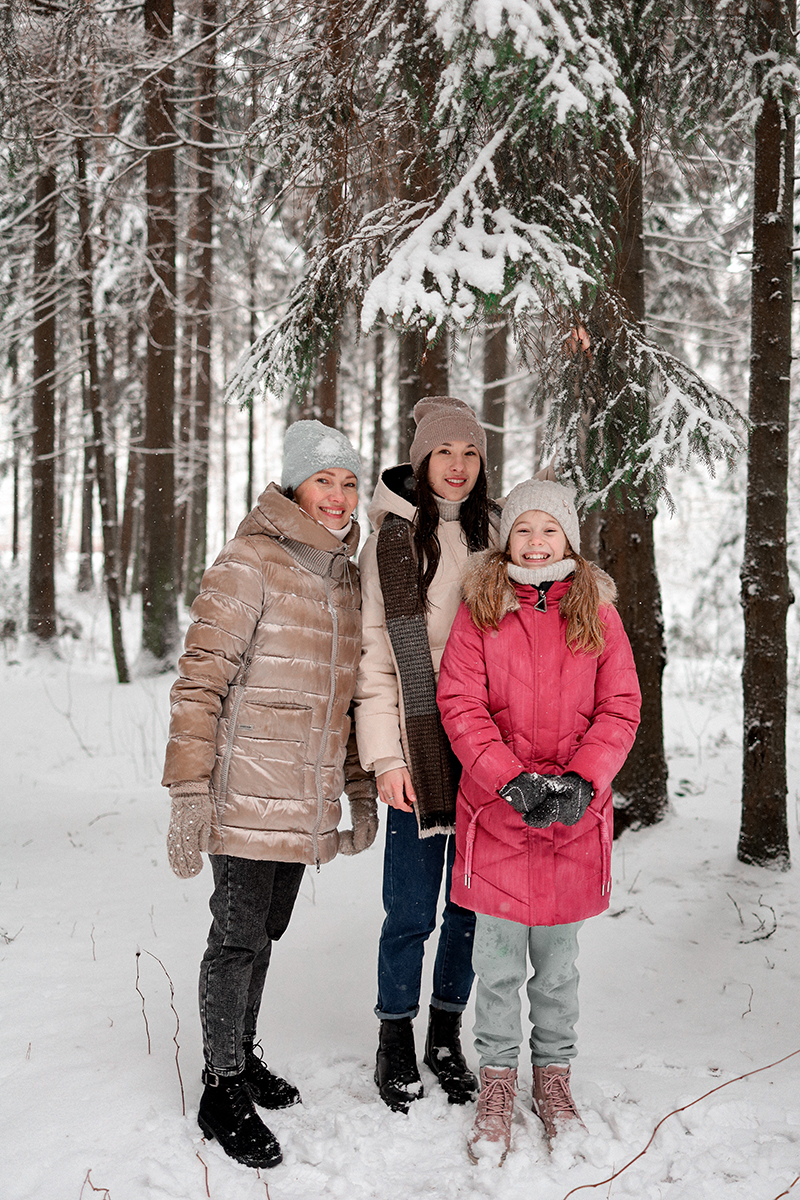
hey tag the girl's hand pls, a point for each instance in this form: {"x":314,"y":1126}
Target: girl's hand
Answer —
{"x":395,"y":788}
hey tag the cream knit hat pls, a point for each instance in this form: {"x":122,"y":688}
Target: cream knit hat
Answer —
{"x":545,"y":496}
{"x":444,"y":419}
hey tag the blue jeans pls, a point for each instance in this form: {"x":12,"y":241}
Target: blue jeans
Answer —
{"x":251,"y":906}
{"x":412,"y":879}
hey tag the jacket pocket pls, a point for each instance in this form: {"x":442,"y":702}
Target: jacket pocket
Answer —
{"x":273,"y":723}
{"x":269,"y":750}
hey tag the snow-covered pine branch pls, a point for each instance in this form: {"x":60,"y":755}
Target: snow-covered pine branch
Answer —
{"x":664,"y":414}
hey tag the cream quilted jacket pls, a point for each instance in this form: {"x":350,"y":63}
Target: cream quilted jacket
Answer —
{"x":266,"y":679}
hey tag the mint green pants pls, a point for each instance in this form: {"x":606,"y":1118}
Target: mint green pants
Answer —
{"x":500,"y":955}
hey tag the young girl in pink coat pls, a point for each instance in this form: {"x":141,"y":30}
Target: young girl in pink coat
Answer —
{"x":539,"y":698}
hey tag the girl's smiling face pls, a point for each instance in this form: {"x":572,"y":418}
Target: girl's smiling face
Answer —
{"x":329,"y":496}
{"x":536,"y":540}
{"x":453,"y":469}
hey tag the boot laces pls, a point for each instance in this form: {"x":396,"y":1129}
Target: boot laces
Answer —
{"x":558,"y":1095}
{"x":497,"y":1097}
{"x":241,"y":1104}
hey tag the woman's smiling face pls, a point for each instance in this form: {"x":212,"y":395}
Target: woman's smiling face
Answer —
{"x":453,"y":469}
{"x":329,"y":496}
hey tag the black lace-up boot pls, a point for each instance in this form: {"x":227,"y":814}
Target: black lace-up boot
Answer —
{"x":444,"y":1056}
{"x":396,"y":1071}
{"x":266,"y":1089}
{"x":227,"y":1114}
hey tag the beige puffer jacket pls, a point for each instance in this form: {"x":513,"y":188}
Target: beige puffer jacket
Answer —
{"x":379,"y":719}
{"x":266,"y":680}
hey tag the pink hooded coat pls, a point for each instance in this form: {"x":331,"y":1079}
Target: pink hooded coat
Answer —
{"x":517,"y":699}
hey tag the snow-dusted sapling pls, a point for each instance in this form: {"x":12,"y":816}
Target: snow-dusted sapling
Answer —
{"x":539,"y":697}
{"x":428,"y":516}
{"x":259,"y":752}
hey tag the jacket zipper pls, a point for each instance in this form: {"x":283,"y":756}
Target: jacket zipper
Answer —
{"x":327,"y":724}
{"x":232,"y":722}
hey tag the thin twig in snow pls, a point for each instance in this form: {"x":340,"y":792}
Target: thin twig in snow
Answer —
{"x":791,"y":1185}
{"x":736,"y":906}
{"x":205,"y":1168}
{"x":750,"y":1003}
{"x":88,"y":1179}
{"x":67,"y":715}
{"x":759,"y":936}
{"x":177,"y":1027}
{"x":141,"y":993}
{"x":757,"y":1071}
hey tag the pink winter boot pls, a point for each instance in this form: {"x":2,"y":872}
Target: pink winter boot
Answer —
{"x":552,"y":1100}
{"x":491,"y":1133}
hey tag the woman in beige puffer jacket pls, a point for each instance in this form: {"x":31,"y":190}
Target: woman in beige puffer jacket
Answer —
{"x":259,"y":753}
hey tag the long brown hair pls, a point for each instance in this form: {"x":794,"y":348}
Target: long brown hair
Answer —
{"x":473,"y":518}
{"x":490,"y":592}
{"x":580,"y":608}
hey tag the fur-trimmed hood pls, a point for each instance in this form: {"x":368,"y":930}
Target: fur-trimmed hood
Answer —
{"x":486,"y":575}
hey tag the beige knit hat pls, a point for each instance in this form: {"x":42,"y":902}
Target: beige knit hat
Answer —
{"x":444,"y":419}
{"x":545,"y":496}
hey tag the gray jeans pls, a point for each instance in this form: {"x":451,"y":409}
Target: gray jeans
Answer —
{"x":500,"y":960}
{"x":251,"y":906}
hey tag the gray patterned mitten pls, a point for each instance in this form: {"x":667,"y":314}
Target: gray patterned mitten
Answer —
{"x":189,"y":826}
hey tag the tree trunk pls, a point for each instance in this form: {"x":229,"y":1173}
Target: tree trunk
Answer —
{"x":41,"y":574}
{"x":422,"y":371}
{"x":107,"y":508}
{"x":627,"y":547}
{"x":85,"y":581}
{"x":159,"y":603}
{"x":379,"y":350}
{"x":495,"y":368}
{"x":763,"y":838}
{"x":203,"y":300}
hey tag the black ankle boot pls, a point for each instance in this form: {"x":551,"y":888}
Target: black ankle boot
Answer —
{"x":266,"y":1089}
{"x":445,"y":1058}
{"x":396,"y":1072}
{"x":227,"y":1114}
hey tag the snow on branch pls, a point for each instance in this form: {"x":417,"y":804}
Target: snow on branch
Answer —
{"x":627,"y":411}
{"x":575,"y":69}
{"x":463,"y":251}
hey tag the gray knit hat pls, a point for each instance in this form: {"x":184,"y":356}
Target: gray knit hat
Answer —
{"x":310,"y":446}
{"x":444,"y":419}
{"x":545,"y":496}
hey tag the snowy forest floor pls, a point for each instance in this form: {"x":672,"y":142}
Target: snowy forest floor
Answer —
{"x":689,"y":982}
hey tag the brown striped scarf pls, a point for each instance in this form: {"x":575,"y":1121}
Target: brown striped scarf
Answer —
{"x":433,"y":767}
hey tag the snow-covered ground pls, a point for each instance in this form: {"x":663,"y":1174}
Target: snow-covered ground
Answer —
{"x":689,"y":986}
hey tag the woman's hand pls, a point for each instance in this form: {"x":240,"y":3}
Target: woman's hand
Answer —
{"x":395,"y":788}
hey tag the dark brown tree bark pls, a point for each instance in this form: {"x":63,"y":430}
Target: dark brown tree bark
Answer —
{"x":85,"y":581}
{"x":203,"y":300}
{"x":626,"y":543}
{"x":103,"y":468}
{"x":763,"y":838}
{"x":423,"y":368}
{"x":379,"y":351}
{"x":159,"y":602}
{"x":41,"y":574}
{"x":422,"y":371}
{"x":495,"y":368}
